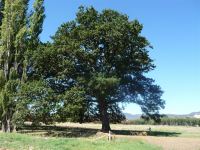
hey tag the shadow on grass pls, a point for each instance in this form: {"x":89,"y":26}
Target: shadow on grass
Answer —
{"x":55,"y":131}
{"x":146,"y":133}
{"x":73,"y":132}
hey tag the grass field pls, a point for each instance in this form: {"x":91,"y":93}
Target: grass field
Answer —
{"x":25,"y":142}
{"x":73,"y":136}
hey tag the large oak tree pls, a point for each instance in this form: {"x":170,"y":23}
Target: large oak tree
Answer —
{"x":108,"y":57}
{"x":95,"y":62}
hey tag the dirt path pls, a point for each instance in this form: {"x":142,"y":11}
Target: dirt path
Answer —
{"x":170,"y":143}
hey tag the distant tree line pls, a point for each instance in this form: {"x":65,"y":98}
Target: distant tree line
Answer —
{"x":94,"y":64}
{"x":167,"y":121}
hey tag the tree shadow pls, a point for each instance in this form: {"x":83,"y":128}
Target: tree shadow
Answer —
{"x":74,"y":132}
{"x":146,"y":133}
{"x":55,"y":131}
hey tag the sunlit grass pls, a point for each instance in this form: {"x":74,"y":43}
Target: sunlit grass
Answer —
{"x":23,"y":142}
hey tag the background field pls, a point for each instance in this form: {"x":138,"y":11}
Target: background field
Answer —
{"x":73,"y":136}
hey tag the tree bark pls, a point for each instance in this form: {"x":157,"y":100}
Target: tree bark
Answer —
{"x":6,"y":124}
{"x":104,"y":116}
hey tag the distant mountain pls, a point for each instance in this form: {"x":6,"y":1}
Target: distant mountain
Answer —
{"x":132,"y":116}
{"x":194,"y":113}
{"x":190,"y":115}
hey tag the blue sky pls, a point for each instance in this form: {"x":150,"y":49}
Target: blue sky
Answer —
{"x":172,"y":27}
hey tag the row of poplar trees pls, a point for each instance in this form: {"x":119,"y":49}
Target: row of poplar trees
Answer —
{"x":94,"y":65}
{"x":19,"y":37}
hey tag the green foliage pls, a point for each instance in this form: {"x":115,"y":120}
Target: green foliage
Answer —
{"x":36,"y":23}
{"x":2,"y":79}
{"x":13,"y":74}
{"x":74,"y":105}
{"x":2,"y":2}
{"x":49,"y":62}
{"x":38,"y":101}
{"x":103,"y":86}
{"x":115,"y":114}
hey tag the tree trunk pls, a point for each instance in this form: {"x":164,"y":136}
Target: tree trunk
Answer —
{"x":6,"y":124}
{"x":104,"y":116}
{"x":14,"y":129}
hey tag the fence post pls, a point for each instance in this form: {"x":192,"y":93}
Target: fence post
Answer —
{"x":109,"y":136}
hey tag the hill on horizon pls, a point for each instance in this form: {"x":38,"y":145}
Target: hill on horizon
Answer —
{"x":130,"y":116}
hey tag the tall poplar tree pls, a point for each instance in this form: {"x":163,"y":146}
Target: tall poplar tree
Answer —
{"x":17,"y":32}
{"x":23,"y":109}
{"x":36,"y":23}
{"x":2,"y":2}
{"x":13,"y":38}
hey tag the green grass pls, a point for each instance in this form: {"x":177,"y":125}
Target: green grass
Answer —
{"x":23,"y":142}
